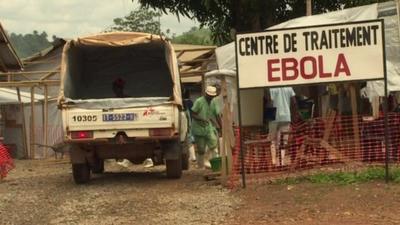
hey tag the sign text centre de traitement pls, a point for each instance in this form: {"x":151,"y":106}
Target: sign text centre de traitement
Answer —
{"x":318,"y":54}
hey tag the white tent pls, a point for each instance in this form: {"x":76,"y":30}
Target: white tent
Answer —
{"x":10,"y":96}
{"x":386,"y":10}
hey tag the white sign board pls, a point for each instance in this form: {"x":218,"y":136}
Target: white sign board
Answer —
{"x":308,"y":55}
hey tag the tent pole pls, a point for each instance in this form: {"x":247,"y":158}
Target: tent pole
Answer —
{"x":32,"y":133}
{"x":24,"y":136}
{"x":356,"y":126}
{"x":224,"y":147}
{"x":385,"y":110}
{"x":242,"y":169}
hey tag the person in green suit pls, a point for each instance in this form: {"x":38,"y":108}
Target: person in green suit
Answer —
{"x":206,"y":122}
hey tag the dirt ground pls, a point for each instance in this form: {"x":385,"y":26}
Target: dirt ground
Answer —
{"x":42,"y":192}
{"x":363,"y":204}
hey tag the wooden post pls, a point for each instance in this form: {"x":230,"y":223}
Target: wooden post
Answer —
{"x":24,"y":136}
{"x":331,"y":115}
{"x":356,"y":129}
{"x":309,"y":7}
{"x":46,"y":118}
{"x":228,"y":136}
{"x":224,"y":172}
{"x":32,"y":133}
{"x":314,"y":88}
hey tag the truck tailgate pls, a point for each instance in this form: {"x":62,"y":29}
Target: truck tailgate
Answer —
{"x":77,"y":119}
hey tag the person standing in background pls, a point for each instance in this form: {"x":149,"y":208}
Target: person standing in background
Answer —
{"x":118,"y":86}
{"x":206,"y":121}
{"x":188,"y":104}
{"x":281,"y":99}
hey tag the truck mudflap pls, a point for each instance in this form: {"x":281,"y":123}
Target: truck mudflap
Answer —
{"x":79,"y":155}
{"x":172,"y":149}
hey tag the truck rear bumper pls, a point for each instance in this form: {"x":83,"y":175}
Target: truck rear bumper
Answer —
{"x":113,"y":140}
{"x":136,"y":151}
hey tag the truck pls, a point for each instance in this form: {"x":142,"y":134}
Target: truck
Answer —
{"x":120,"y":98}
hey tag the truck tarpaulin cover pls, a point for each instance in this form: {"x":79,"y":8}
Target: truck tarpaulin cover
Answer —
{"x":144,"y":63}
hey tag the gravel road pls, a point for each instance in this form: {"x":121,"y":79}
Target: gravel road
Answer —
{"x":42,"y":192}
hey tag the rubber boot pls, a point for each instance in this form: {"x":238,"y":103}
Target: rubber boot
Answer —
{"x":200,"y":161}
{"x":192,"y":154}
{"x":210,"y":154}
{"x":213,"y":153}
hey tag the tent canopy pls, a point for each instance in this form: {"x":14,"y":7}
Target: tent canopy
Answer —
{"x":10,"y":96}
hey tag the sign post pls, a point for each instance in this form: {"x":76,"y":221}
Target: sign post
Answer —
{"x":331,"y":53}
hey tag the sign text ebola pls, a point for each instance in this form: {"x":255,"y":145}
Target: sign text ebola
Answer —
{"x":317,"y":54}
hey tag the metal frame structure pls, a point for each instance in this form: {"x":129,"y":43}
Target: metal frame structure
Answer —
{"x":43,"y":83}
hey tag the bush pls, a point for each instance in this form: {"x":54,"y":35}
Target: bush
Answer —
{"x":367,"y":175}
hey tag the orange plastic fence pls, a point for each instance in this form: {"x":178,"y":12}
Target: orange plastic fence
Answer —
{"x":319,"y":142}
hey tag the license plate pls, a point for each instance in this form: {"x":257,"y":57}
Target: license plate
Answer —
{"x":119,"y":117}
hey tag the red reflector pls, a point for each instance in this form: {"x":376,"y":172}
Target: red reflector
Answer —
{"x":81,"y":134}
{"x":160,"y":132}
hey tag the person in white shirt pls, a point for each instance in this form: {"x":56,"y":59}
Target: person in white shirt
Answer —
{"x":282,"y":99}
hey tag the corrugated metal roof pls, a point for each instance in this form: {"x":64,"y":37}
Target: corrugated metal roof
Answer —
{"x":180,"y":47}
{"x":196,"y":79}
{"x":9,"y":60}
{"x":193,"y":59}
{"x":191,"y":52}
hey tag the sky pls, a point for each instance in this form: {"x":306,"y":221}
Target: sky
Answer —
{"x":74,"y":18}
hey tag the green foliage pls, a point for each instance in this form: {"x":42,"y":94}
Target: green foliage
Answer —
{"x":221,"y":16}
{"x":29,"y":44}
{"x":195,"y":36}
{"x":370,"y":174}
{"x":338,"y":177}
{"x":141,"y":20}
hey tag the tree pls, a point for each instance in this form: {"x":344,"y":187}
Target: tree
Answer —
{"x":141,"y":20}
{"x":29,"y":44}
{"x":221,"y":16}
{"x":195,"y":36}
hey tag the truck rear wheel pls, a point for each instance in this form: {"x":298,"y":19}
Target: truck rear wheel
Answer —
{"x":81,"y":173}
{"x":185,"y":154}
{"x":174,"y":167}
{"x":185,"y":161}
{"x":172,"y":150}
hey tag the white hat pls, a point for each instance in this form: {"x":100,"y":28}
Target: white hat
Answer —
{"x":211,"y":91}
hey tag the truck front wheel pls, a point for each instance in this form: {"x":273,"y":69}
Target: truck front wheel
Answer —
{"x":81,"y":173}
